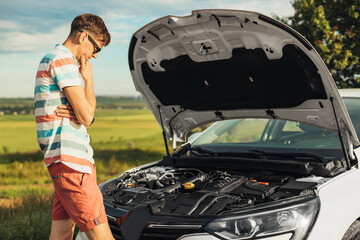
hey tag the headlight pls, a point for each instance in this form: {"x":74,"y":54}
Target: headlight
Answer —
{"x":296,"y":218}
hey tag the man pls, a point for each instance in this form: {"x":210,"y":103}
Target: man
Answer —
{"x":64,"y":110}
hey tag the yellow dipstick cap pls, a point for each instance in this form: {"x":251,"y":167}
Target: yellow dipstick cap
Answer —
{"x":130,"y":185}
{"x":189,"y":185}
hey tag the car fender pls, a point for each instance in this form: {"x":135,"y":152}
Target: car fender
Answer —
{"x":339,"y":206}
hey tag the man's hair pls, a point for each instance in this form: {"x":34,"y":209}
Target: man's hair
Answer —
{"x":92,"y":24}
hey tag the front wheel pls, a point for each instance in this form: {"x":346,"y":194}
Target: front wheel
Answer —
{"x":353,"y":233}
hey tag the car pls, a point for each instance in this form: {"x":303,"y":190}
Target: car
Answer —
{"x":280,"y":161}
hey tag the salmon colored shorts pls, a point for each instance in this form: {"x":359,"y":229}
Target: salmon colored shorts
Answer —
{"x":77,"y":196}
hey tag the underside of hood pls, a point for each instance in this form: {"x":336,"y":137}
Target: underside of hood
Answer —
{"x":222,"y":64}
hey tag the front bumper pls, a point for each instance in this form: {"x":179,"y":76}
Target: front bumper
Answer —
{"x":200,"y":236}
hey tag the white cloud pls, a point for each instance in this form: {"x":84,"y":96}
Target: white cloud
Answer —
{"x":120,"y":37}
{"x":26,"y":42}
{"x":123,"y":18}
{"x":158,"y":8}
{"x":170,"y":3}
{"x":6,"y":24}
{"x":121,"y":29}
{"x":120,"y":26}
{"x":268,"y":7}
{"x":113,"y":15}
{"x":17,"y":41}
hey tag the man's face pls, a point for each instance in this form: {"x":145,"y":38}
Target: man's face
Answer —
{"x":91,"y":47}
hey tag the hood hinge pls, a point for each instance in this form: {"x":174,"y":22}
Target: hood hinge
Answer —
{"x":271,"y":113}
{"x":219,"y":114}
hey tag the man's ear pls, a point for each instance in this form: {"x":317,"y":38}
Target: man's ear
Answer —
{"x":81,"y":37}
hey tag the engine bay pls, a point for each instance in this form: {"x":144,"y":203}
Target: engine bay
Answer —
{"x":168,"y":190}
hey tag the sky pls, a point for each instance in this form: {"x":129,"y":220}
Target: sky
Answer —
{"x":31,"y":29}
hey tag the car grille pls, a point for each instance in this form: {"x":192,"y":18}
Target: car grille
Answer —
{"x":153,"y":232}
{"x":166,"y":233}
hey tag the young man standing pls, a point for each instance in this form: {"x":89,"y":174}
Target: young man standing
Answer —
{"x":64,"y":110}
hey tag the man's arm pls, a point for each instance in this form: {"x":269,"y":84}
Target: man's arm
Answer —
{"x":83,"y":100}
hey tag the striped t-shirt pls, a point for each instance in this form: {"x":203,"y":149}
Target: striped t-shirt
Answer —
{"x":60,"y":139}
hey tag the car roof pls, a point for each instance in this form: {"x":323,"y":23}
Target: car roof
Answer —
{"x":350,"y":92}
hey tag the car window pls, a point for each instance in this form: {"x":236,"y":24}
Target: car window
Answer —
{"x":353,"y":107}
{"x":254,"y":133}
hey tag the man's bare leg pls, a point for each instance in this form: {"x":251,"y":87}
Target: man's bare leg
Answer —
{"x":62,"y":229}
{"x":101,"y":231}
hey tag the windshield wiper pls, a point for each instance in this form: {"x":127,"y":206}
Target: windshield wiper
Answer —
{"x":293,"y":155}
{"x":259,"y":154}
{"x":201,"y":151}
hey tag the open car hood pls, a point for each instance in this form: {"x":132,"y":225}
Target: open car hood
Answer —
{"x":223,"y":64}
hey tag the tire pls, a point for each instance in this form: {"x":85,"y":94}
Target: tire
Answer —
{"x":353,"y":233}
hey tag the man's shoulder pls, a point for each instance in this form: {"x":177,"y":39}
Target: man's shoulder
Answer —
{"x":54,"y":55}
{"x":48,"y":58}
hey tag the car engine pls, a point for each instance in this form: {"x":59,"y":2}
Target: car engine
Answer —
{"x":195,"y":192}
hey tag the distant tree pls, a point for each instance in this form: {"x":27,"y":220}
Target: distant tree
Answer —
{"x":333,"y":28}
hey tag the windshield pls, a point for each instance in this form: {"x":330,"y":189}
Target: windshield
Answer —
{"x":276,"y":136}
{"x":251,"y":133}
{"x":269,"y":137}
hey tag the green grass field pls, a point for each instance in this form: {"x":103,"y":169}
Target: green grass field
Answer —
{"x":121,"y":139}
{"x":18,"y":133}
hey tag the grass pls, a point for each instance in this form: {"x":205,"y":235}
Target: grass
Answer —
{"x":121,"y":139}
{"x":28,"y":219}
{"x":23,"y":173}
{"x":25,"y":191}
{"x":18,"y":133}
{"x":112,"y":128}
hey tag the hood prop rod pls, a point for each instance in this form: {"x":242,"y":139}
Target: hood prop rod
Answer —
{"x":163,"y":132}
{"x":339,"y":133}
{"x":171,"y":129}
